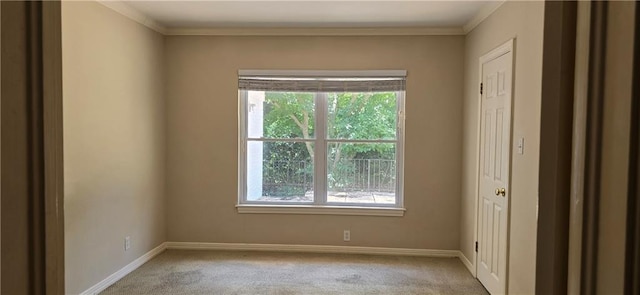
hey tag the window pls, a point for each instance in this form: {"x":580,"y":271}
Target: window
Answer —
{"x":321,"y":138}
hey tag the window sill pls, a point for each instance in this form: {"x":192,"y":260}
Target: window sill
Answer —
{"x":320,"y":210}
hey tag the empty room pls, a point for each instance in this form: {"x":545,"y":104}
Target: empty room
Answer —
{"x":319,"y":147}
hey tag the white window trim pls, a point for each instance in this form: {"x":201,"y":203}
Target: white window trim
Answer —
{"x":320,"y":210}
{"x":320,"y":205}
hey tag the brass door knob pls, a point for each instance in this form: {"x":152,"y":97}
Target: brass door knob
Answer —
{"x":497,"y":192}
{"x":501,"y":191}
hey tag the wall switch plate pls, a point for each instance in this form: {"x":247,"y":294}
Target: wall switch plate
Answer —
{"x":347,"y":236}
{"x":520,"y":146}
{"x":127,"y":243}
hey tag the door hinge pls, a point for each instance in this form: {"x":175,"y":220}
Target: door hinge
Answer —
{"x":480,"y":88}
{"x":476,"y":246}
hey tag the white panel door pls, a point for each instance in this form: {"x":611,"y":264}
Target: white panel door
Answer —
{"x":495,"y":138}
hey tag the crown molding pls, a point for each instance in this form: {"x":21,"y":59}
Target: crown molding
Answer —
{"x":122,"y":8}
{"x":133,"y":14}
{"x":285,"y":31}
{"x":484,"y":13}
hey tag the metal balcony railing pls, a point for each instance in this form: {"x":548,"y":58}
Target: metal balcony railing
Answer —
{"x":281,"y":178}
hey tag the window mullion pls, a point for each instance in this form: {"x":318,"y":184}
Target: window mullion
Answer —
{"x":400,"y":117}
{"x":242,"y":158}
{"x":320,"y":154}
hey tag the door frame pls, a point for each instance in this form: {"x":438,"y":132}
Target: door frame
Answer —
{"x":632,"y":255}
{"x":556,"y":140}
{"x":31,"y":32}
{"x":53,"y":154}
{"x":507,"y":47}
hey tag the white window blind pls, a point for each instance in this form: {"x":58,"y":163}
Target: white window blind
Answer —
{"x":322,"y":81}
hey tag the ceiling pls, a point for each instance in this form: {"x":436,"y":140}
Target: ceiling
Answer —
{"x":317,"y":14}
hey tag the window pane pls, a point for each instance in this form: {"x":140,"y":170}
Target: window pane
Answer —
{"x":279,"y":171}
{"x":361,"y":173}
{"x":280,"y":114}
{"x":361,"y":115}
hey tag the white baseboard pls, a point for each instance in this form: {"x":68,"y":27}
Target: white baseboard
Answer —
{"x":467,"y":263}
{"x":110,"y":280}
{"x":312,"y":249}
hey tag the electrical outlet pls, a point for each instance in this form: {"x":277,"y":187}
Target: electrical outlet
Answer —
{"x":127,"y":243}
{"x":347,"y":235}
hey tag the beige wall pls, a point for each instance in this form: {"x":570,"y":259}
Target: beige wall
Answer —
{"x":113,"y":141}
{"x":523,"y":21}
{"x":202,"y":155}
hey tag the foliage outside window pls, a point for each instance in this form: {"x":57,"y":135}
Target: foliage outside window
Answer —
{"x":309,"y":146}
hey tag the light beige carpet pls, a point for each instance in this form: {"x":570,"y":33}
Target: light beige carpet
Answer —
{"x":229,"y":272}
